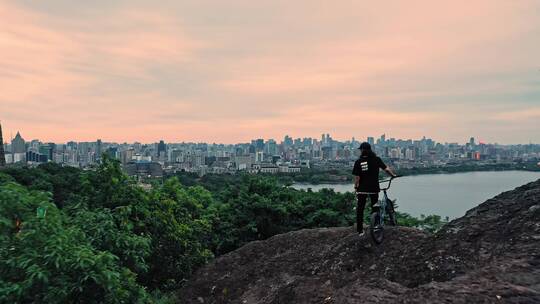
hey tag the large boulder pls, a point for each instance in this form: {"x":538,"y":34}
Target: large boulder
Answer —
{"x":491,"y":255}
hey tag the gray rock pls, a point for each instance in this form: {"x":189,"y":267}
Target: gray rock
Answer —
{"x":491,"y":255}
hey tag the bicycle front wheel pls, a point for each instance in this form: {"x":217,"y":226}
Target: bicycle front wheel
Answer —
{"x":391,"y":213}
{"x":375,"y":228}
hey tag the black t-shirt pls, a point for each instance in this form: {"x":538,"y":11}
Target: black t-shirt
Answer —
{"x":367,"y":167}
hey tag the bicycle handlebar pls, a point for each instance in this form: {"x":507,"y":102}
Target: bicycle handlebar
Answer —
{"x":389,"y":181}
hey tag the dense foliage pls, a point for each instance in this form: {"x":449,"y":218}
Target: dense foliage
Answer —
{"x":51,"y":259}
{"x":95,"y":236}
{"x":101,"y":239}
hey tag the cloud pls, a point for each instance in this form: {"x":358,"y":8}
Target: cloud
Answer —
{"x":532,"y":114}
{"x":231,"y":71}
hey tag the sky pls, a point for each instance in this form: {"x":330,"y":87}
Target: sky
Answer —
{"x":230,"y":71}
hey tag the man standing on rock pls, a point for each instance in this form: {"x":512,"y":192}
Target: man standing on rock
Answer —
{"x":366,"y":181}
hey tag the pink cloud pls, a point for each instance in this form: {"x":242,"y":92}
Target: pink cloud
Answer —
{"x":144,"y":71}
{"x":532,"y":114}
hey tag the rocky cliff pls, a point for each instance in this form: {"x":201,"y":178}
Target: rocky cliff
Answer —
{"x":491,"y":255}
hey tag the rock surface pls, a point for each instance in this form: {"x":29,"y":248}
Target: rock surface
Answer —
{"x":491,"y":255}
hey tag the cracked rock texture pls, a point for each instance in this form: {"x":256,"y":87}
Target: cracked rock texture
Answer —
{"x":490,"y":255}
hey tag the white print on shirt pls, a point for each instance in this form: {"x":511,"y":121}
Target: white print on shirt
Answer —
{"x":364,"y":166}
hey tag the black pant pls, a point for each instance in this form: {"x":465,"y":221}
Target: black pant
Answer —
{"x":362,"y":199}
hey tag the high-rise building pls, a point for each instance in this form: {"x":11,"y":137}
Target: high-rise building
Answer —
{"x":259,"y":157}
{"x":127,"y":155}
{"x":72,"y":145}
{"x":288,"y":141}
{"x":326,"y":140}
{"x":162,"y":147}
{"x":48,"y":150}
{"x":18,"y":144}
{"x":410,"y":153}
{"x":112,"y":152}
{"x":2,"y":152}
{"x":258,"y":143}
{"x":270,"y":147}
{"x":162,"y":151}
{"x":99,"y":149}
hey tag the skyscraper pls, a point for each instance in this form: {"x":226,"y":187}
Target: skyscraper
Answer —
{"x":2,"y":153}
{"x":162,"y":147}
{"x":99,"y":149}
{"x":18,"y":149}
{"x":18,"y":144}
{"x":48,"y":150}
{"x":288,"y":141}
{"x":162,"y":151}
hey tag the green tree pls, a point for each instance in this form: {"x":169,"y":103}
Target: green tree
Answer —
{"x":45,"y":259}
{"x":175,"y":221}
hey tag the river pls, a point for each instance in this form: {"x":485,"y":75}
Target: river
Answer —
{"x":444,"y":194}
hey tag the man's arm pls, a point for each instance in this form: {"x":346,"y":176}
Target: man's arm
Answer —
{"x":390,"y":172}
{"x":356,"y":182}
{"x":356,"y":172}
{"x":386,"y":169}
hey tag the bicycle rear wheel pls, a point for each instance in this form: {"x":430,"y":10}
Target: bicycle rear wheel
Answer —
{"x":375,"y":228}
{"x":393,"y":219}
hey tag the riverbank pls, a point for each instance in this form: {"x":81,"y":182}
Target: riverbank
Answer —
{"x":442,"y":194}
{"x":343,"y":176}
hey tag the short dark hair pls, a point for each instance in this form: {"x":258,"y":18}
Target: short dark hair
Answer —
{"x":365,"y":146}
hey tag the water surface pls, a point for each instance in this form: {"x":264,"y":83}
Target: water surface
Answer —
{"x":445,"y":194}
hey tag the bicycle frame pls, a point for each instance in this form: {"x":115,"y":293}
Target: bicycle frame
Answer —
{"x":383,"y":203}
{"x":379,"y":212}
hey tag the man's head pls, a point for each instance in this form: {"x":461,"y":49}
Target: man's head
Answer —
{"x":365,"y":149}
{"x":365,"y":146}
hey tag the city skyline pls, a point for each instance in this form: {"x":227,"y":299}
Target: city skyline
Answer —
{"x":270,"y":156}
{"x":230,"y":71}
{"x":279,"y":139}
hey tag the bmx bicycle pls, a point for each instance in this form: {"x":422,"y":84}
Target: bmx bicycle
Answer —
{"x":382,"y":211}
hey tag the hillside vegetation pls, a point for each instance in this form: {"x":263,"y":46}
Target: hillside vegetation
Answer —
{"x":69,"y":235}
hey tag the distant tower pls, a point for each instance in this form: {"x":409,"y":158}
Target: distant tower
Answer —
{"x":18,"y":149}
{"x":99,"y":149}
{"x":162,"y":147}
{"x":162,"y":150}
{"x":18,"y":145}
{"x":2,"y":152}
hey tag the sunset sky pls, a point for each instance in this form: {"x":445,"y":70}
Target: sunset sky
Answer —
{"x":230,"y":71}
